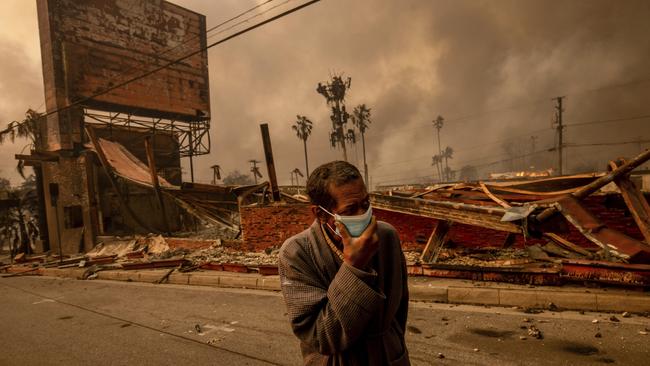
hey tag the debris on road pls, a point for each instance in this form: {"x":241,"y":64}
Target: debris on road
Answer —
{"x":534,"y":332}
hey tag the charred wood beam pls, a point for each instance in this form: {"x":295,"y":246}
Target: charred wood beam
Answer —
{"x":437,"y":240}
{"x":594,"y":186}
{"x":37,"y":157}
{"x":568,"y":245}
{"x":482,"y":216}
{"x":494,"y":198}
{"x":635,"y":202}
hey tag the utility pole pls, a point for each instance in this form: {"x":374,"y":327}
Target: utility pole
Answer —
{"x":438,"y":123}
{"x":255,"y":170}
{"x":533,"y":140}
{"x":560,"y":130}
{"x":216,"y":173}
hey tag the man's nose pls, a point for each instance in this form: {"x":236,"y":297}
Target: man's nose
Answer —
{"x":360,"y":211}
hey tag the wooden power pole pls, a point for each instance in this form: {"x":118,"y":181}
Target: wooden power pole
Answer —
{"x":560,"y":131}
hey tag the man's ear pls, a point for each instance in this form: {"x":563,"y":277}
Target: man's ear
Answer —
{"x":317,"y":213}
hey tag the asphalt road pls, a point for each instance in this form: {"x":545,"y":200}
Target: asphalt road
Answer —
{"x":51,"y":321}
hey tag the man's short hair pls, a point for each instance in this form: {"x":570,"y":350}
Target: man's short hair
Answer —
{"x":336,"y":173}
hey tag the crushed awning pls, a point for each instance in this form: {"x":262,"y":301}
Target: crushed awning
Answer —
{"x":127,"y":166}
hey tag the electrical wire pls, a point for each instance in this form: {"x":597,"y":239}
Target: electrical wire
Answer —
{"x":608,"y":121}
{"x":477,"y":166}
{"x":173,"y":62}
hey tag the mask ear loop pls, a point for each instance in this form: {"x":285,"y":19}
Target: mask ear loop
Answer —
{"x":328,"y":225}
{"x":329,"y":213}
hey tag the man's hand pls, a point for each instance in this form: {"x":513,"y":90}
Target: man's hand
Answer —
{"x":357,"y":252}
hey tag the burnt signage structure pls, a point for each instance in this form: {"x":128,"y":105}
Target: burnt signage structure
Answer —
{"x":93,"y":55}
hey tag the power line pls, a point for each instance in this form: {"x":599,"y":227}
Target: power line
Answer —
{"x":532,"y":102}
{"x":248,"y":19}
{"x":608,"y":143}
{"x":468,"y":149}
{"x":484,"y":165}
{"x":202,"y":49}
{"x":608,"y":120}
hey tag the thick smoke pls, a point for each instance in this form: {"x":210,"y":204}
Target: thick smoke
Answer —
{"x":490,"y":68}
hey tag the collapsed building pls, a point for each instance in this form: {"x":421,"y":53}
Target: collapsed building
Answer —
{"x":102,"y":120}
{"x":108,"y":162}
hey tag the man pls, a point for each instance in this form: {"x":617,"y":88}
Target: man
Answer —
{"x":344,"y":279}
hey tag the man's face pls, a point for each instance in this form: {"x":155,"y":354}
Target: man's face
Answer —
{"x":350,"y":199}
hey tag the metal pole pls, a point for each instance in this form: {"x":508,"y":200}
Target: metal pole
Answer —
{"x":58,"y":233}
{"x":270,"y":165}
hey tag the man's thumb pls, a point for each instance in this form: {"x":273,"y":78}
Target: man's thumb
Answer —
{"x":343,"y":231}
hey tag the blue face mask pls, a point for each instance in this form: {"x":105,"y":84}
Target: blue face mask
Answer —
{"x":355,"y":224}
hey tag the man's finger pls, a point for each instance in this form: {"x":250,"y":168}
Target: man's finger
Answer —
{"x":343,"y":231}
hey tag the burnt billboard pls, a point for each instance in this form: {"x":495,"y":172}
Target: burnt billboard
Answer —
{"x":90,"y":46}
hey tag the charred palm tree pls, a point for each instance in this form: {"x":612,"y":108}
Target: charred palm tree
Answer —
{"x":447,"y":153}
{"x":27,"y":129}
{"x":303,"y":128}
{"x":361,"y":119}
{"x":437,"y":162}
{"x":334,"y":93}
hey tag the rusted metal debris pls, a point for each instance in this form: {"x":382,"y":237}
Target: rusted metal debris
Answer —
{"x":525,"y":208}
{"x":606,"y":272}
{"x":612,"y":241}
{"x":22,"y":273}
{"x":478,"y":205}
{"x":165,"y":263}
{"x":525,"y":274}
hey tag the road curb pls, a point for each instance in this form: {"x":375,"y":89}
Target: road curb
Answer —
{"x":420,"y":289}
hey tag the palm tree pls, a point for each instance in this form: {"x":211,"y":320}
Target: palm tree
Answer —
{"x":303,"y":131}
{"x":27,"y":128}
{"x":438,"y":123}
{"x":437,"y":161}
{"x":447,"y":153}
{"x":334,"y":93}
{"x":361,"y":119}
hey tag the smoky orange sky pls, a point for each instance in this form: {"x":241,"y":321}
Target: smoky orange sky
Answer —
{"x":490,"y":68}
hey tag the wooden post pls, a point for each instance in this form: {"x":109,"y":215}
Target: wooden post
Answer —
{"x":436,"y":241}
{"x":154,"y":180}
{"x":270,"y":165}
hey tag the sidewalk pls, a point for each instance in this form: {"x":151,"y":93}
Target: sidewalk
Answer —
{"x":426,"y":289}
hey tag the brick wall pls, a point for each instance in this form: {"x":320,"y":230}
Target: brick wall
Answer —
{"x":414,"y":231}
{"x":269,"y":226}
